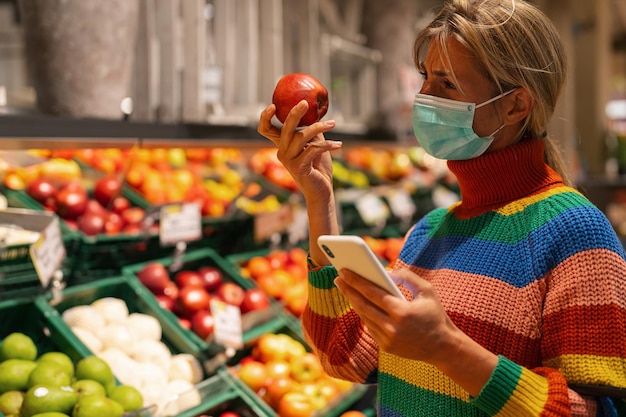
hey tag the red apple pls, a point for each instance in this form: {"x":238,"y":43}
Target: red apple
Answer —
{"x":113,"y":223}
{"x":295,"y":87}
{"x":254,"y":299}
{"x":93,"y":206}
{"x":155,"y":277}
{"x":133,"y":215}
{"x":202,"y":323}
{"x":191,"y":299}
{"x":71,"y":201}
{"x":165,"y":302}
{"x":231,"y":293}
{"x":187,"y":278}
{"x":185,"y":323}
{"x":107,"y":188}
{"x":228,"y":414}
{"x":212,"y":277}
{"x":42,"y":190}
{"x":91,"y":224}
{"x":119,"y":204}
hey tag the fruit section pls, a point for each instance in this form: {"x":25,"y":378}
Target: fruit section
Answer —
{"x":121,"y":315}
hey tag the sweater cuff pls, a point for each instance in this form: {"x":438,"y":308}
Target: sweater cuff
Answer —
{"x":500,"y":387}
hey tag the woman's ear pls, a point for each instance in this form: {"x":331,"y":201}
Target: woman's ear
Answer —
{"x":519,"y":104}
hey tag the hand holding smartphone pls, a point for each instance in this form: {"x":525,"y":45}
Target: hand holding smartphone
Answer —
{"x":353,"y":253}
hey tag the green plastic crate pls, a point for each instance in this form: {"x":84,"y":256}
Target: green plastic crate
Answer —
{"x":25,"y":316}
{"x":335,"y":407}
{"x":221,"y":393}
{"x":227,"y":234}
{"x":254,"y":323}
{"x":18,"y":276}
{"x":137,"y":298}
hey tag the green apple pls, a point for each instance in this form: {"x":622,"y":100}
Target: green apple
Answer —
{"x":41,"y":399}
{"x":127,"y":396}
{"x":88,"y":387}
{"x":14,"y":374}
{"x":49,"y":374}
{"x":93,"y":367}
{"x":11,"y":402}
{"x":51,"y":414}
{"x":60,"y":359}
{"x":97,"y":406}
{"x":18,"y":346}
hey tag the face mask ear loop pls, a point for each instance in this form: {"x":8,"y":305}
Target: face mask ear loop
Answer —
{"x":491,"y":100}
{"x":497,"y":130}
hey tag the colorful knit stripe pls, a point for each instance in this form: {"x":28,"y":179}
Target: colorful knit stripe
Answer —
{"x":520,"y":402}
{"x":604,"y":264}
{"x":586,"y":331}
{"x":590,"y":369}
{"x":421,"y":375}
{"x":404,"y":399}
{"x":482,"y":227}
{"x":574,"y":197}
{"x":458,"y":252}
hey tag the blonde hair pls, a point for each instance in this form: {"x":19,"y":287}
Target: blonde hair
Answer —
{"x":517,"y":46}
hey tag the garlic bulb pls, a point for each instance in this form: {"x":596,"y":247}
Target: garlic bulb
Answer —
{"x":89,"y":339}
{"x":114,"y":310}
{"x":153,"y":352}
{"x":184,"y":394}
{"x":117,"y":336}
{"x":144,"y":326}
{"x":186,"y":367}
{"x":84,"y":316}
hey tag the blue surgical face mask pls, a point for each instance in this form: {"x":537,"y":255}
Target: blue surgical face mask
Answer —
{"x":443,"y":127}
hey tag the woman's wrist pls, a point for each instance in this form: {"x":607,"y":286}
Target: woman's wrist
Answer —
{"x":466,"y":362}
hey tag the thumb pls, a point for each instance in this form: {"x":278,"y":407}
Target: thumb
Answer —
{"x":410,"y":280}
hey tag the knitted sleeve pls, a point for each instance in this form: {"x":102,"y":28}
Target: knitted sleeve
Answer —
{"x":335,"y":332}
{"x":583,"y":337}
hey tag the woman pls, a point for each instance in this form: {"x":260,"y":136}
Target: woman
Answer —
{"x":515,"y":296}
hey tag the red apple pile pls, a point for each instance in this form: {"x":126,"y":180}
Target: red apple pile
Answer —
{"x":295,"y":87}
{"x":282,"y":274}
{"x":105,"y":211}
{"x":288,"y":377}
{"x":188,"y":294}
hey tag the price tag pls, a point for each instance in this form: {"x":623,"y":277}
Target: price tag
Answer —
{"x":228,"y":329}
{"x":372,"y":209}
{"x":48,"y":252}
{"x":401,"y":204}
{"x":180,"y":223}
{"x":277,"y":221}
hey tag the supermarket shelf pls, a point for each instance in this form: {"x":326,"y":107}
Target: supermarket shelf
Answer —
{"x":37,"y":131}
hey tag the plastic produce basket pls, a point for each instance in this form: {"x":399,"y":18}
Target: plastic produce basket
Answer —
{"x":227,"y":234}
{"x":254,"y":323}
{"x":27,"y":317}
{"x":335,"y":407}
{"x":101,"y":255}
{"x":221,"y":393}
{"x":137,"y":298}
{"x":18,"y":276}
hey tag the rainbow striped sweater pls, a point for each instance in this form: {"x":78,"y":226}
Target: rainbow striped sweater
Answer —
{"x":527,"y":267}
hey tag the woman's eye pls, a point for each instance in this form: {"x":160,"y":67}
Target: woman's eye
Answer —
{"x":448,"y":84}
{"x":423,"y":74}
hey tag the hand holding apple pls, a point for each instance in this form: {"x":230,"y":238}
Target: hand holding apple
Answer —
{"x":295,"y":87}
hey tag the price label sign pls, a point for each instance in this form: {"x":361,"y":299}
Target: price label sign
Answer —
{"x":372,"y":209}
{"x":228,"y":328}
{"x":401,"y":204}
{"x":48,"y":252}
{"x":277,"y":221}
{"x":180,"y":223}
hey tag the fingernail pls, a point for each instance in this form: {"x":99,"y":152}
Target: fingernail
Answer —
{"x":329,"y":123}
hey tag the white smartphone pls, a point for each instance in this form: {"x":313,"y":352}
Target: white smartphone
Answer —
{"x":352,"y":252}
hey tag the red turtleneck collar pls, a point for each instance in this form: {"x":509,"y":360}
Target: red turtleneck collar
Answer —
{"x":497,"y":178}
